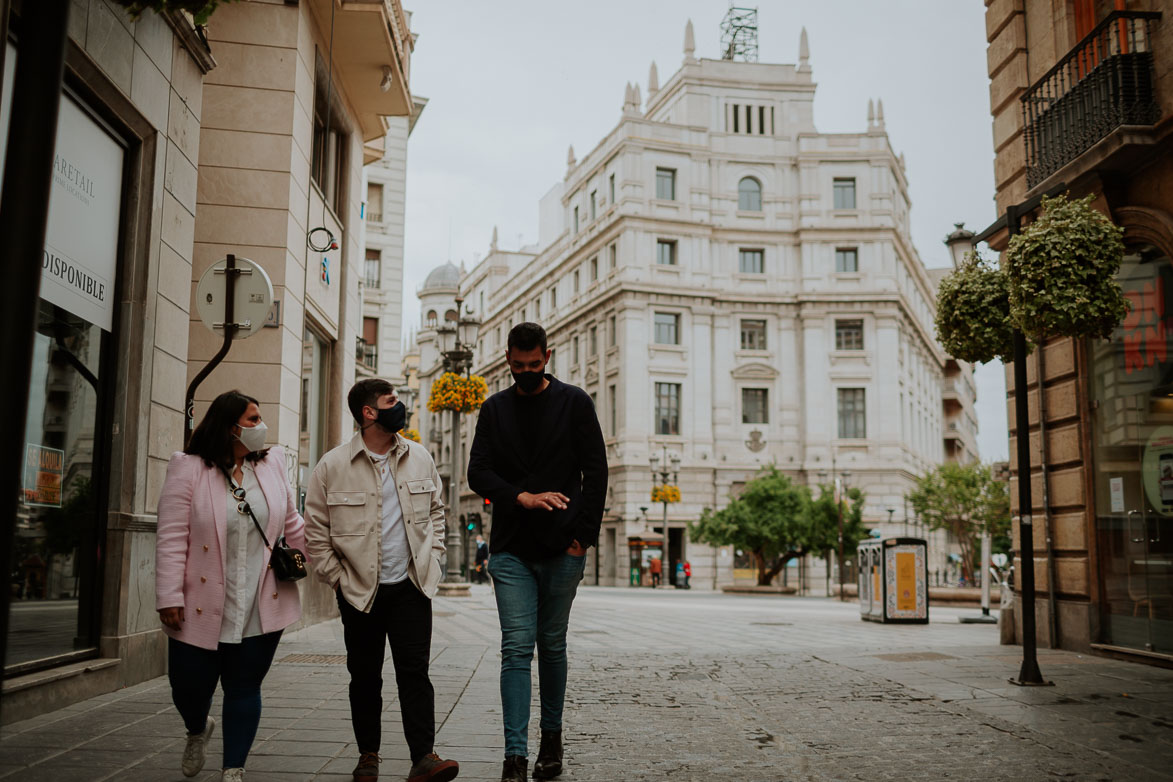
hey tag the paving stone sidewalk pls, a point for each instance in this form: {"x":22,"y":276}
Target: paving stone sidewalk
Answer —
{"x":673,"y":685}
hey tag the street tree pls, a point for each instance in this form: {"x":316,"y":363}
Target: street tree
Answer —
{"x":775,"y":520}
{"x":966,"y":500}
{"x":824,"y":530}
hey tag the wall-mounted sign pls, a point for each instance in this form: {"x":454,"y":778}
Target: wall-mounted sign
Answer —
{"x":252,"y":297}
{"x":41,"y":479}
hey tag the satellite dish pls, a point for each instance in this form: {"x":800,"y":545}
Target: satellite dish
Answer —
{"x":252,"y":297}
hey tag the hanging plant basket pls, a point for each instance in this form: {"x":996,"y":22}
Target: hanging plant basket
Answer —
{"x":1062,"y":271}
{"x":973,"y":312}
{"x":456,"y":392}
{"x":411,"y":434}
{"x":200,"y":10}
{"x":666,"y":493}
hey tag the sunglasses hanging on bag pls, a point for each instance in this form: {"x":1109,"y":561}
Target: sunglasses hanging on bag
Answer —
{"x":288,"y":563}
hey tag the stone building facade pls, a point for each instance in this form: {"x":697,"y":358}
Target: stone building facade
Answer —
{"x":1099,"y":410}
{"x":733,"y":289}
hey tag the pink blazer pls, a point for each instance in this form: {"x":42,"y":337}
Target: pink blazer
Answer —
{"x":189,"y":550}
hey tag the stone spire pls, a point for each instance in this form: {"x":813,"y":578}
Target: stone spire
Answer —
{"x":493,"y":244}
{"x":636,"y":98}
{"x":879,"y":114}
{"x":871,"y":114}
{"x":653,"y":81}
{"x":630,"y":101}
{"x":689,"y":43}
{"x":570,"y":159}
{"x":804,"y":53}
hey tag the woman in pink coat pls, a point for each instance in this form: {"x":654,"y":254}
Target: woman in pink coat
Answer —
{"x":219,"y":601}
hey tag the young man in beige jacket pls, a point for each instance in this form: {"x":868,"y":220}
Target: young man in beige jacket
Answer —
{"x":374,"y":533}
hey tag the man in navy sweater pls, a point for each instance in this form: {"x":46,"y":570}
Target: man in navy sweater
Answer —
{"x":538,"y":456}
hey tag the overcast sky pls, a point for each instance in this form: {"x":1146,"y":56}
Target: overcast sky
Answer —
{"x":511,"y":84}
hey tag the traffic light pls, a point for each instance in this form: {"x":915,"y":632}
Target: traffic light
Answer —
{"x":470,"y":525}
{"x":488,"y":506}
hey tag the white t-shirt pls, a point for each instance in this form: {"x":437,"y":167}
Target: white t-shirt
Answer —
{"x":244,"y":560}
{"x":396,"y":551}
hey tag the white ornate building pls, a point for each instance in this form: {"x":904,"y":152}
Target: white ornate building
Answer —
{"x":381,"y":340}
{"x":734,"y":288}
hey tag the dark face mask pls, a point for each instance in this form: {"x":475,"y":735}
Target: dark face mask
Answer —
{"x":529,"y":381}
{"x":392,"y":419}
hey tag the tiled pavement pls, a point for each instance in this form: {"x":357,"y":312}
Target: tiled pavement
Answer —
{"x":680,"y":686}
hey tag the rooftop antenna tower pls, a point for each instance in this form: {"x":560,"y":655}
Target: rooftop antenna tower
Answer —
{"x":739,"y":34}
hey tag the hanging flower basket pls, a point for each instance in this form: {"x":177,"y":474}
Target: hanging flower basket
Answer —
{"x":666,"y":493}
{"x":411,"y":434}
{"x":1061,"y":272}
{"x":456,"y":392}
{"x":200,"y":10}
{"x":973,"y":312}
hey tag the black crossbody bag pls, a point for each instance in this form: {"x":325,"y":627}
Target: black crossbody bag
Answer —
{"x":288,"y":563}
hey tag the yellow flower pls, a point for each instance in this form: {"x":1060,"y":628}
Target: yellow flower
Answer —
{"x":666,"y":493}
{"x":456,"y":392}
{"x":411,"y":434}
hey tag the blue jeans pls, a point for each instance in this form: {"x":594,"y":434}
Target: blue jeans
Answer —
{"x":533,"y":604}
{"x":239,"y":668}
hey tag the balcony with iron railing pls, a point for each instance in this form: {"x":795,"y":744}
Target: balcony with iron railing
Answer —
{"x":1102,"y":86}
{"x":366,"y":354}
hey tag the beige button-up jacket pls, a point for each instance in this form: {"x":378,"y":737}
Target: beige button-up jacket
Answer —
{"x":343,"y":518}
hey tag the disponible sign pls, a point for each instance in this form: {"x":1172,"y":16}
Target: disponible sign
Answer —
{"x":81,"y":244}
{"x":43,"y":471}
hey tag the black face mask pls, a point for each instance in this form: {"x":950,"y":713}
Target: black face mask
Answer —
{"x":392,"y":419}
{"x":529,"y":381}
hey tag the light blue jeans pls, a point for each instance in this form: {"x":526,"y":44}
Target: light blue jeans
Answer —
{"x":533,"y":604}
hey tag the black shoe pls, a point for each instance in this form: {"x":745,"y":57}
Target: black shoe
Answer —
{"x":514,"y":769}
{"x":549,"y":762}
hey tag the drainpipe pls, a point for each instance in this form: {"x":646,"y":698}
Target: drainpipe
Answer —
{"x":1052,"y":620}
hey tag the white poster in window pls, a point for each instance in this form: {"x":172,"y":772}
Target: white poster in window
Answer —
{"x":1116,"y":490}
{"x":81,"y":242}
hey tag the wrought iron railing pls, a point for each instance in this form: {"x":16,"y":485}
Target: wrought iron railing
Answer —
{"x":1104,"y":82}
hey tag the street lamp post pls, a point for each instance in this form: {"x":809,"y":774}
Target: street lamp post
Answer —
{"x":456,"y":342}
{"x":839,"y":511}
{"x":660,"y":469}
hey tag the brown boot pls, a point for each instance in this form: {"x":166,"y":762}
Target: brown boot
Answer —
{"x":514,"y":769}
{"x":367,"y":769}
{"x":433,"y":768}
{"x":549,"y":762}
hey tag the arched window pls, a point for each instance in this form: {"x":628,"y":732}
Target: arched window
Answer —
{"x":749,"y":195}
{"x":450,"y":315}
{"x":431,"y":320}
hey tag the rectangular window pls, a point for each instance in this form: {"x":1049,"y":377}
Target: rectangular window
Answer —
{"x":374,"y":203}
{"x":611,"y":186}
{"x":328,"y":157}
{"x":594,"y":204}
{"x":613,"y":337}
{"x":849,"y":335}
{"x":614,"y":251}
{"x":667,"y":408}
{"x":761,"y":120}
{"x":754,"y":407}
{"x":665,"y":252}
{"x":595,"y":401}
{"x":576,"y":280}
{"x":844,"y":190}
{"x":613,"y":418}
{"x":575,"y":351}
{"x":753,"y":335}
{"x":553,"y":298}
{"x":846,"y":259}
{"x":538,"y":308}
{"x":852,"y":421}
{"x":373,"y":271}
{"x":595,"y":269}
{"x":736,"y":120}
{"x":594,"y":343}
{"x":666,"y":184}
{"x":667,"y":328}
{"x":751,"y":261}
{"x":576,"y":219}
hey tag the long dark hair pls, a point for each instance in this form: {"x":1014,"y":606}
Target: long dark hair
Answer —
{"x":213,"y":440}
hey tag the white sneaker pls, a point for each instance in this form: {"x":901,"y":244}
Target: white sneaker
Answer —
{"x":233,"y":775}
{"x":196,"y":750}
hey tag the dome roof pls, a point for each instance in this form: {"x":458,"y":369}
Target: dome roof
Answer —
{"x":444,"y":277}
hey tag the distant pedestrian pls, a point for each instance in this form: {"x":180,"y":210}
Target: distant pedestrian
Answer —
{"x":221,"y":605}
{"x":538,"y":456}
{"x":375,"y":533}
{"x":654,"y":568}
{"x":687,"y":574}
{"x":679,"y":575}
{"x":482,"y":560}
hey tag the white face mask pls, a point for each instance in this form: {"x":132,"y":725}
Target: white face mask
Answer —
{"x":253,"y":437}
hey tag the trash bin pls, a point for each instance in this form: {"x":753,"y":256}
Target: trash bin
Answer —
{"x":894,"y":580}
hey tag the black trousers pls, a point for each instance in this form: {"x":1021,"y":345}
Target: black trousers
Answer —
{"x":401,"y":615}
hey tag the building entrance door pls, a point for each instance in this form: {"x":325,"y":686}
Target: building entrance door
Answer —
{"x":1132,"y":383}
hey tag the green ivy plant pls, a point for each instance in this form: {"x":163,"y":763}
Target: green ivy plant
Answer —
{"x":1062,"y":271}
{"x":973,"y":312}
{"x":200,"y":10}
